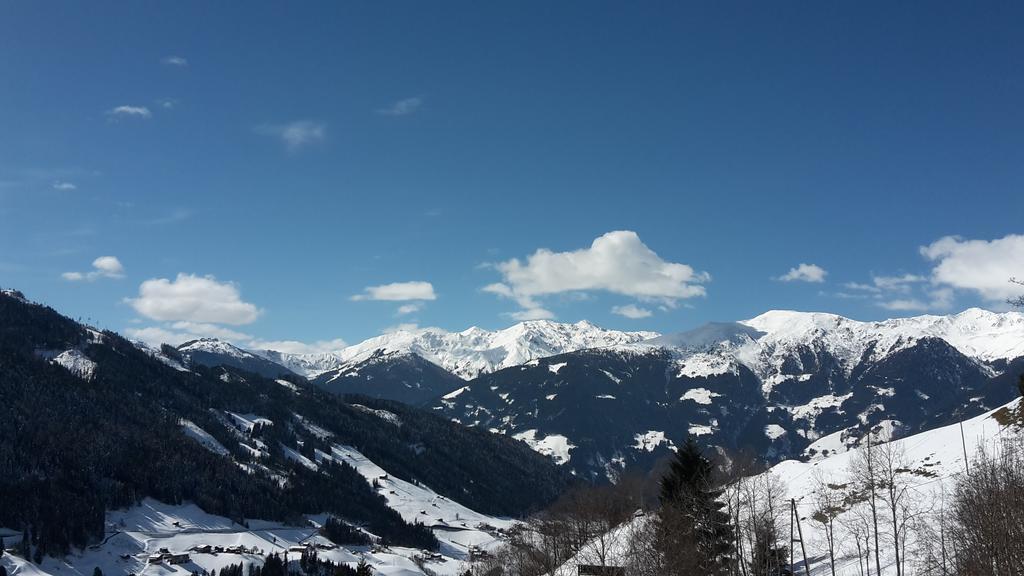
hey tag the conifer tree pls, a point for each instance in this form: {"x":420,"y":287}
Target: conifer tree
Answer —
{"x":695,"y":535}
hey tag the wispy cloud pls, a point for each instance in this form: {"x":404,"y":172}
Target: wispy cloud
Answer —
{"x":403,"y":107}
{"x":64,"y":186}
{"x":398,"y":292}
{"x":407,"y":309}
{"x":297,"y":347}
{"x":126,"y":111}
{"x":296,"y":135}
{"x":631,"y":311}
{"x":900,"y":293}
{"x":935,"y":299}
{"x":176,"y":215}
{"x":102,"y":267}
{"x":407,"y":327}
{"x":527,"y":314}
{"x":177,"y":61}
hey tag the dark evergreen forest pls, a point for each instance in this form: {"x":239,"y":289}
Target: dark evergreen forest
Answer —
{"x":72,"y":448}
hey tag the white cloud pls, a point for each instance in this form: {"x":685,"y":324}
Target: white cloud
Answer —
{"x":899,"y":283}
{"x":938,"y":299}
{"x":406,"y":327}
{"x":108,"y":266}
{"x":130,"y":111}
{"x":193,"y":298}
{"x":207,"y":330}
{"x":406,"y":309}
{"x":805,"y":273}
{"x":981,"y":266}
{"x":617,"y":262}
{"x":901,"y":293}
{"x":102,"y":267}
{"x":155,"y":336}
{"x":296,"y":347}
{"x":174,"y":61}
{"x":398,"y":292}
{"x":181,"y":332}
{"x":531,"y":314}
{"x":64,"y":186}
{"x":177,"y":333}
{"x":631,"y":311}
{"x":403,"y":107}
{"x":298,"y":134}
{"x":904,"y":305}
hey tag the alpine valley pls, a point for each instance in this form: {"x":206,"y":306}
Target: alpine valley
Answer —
{"x":429,"y":444}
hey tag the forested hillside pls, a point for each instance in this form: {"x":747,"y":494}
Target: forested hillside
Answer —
{"x":91,"y":422}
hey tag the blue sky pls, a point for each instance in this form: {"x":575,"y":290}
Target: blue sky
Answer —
{"x":285,"y":158}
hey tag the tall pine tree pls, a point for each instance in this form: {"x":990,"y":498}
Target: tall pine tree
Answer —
{"x":694,"y":533}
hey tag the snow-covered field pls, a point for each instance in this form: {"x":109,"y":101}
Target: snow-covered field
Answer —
{"x":933,"y":461}
{"x":135,"y":534}
{"x":931,"y":464}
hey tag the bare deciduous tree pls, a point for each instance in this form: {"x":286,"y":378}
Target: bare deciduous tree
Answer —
{"x":864,"y":471}
{"x":989,"y":509}
{"x":829,"y":503}
{"x":1017,"y":302}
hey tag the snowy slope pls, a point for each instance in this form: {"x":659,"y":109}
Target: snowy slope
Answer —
{"x":135,"y":533}
{"x":934,"y":461}
{"x":471,"y":352}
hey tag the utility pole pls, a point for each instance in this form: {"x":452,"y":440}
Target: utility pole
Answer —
{"x":874,"y":510}
{"x":794,"y":520}
{"x":963,"y":441}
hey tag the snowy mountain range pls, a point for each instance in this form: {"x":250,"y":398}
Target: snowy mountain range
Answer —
{"x":775,"y":384}
{"x":602,"y":401}
{"x":469,"y":353}
{"x":776,"y":344}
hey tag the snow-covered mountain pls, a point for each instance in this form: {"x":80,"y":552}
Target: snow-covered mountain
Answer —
{"x":980,"y":334}
{"x":778,"y":344}
{"x":469,"y":353}
{"x":775,"y":384}
{"x":214,"y":352}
